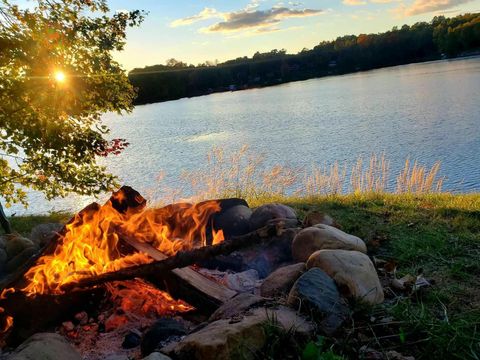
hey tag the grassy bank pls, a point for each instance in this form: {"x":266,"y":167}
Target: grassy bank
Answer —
{"x":438,"y":234}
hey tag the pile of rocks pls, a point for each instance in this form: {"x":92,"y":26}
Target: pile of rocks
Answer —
{"x":324,"y":270}
{"x":15,"y":250}
{"x":304,"y":284}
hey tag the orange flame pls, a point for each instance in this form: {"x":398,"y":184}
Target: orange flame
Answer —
{"x":91,"y":244}
{"x":6,"y":319}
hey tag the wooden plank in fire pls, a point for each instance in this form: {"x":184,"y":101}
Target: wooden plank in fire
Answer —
{"x":207,"y":287}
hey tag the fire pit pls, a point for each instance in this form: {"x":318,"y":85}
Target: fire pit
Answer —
{"x":124,"y":279}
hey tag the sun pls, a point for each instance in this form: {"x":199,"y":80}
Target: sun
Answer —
{"x":59,"y":76}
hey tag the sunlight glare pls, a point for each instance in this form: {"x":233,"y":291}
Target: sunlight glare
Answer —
{"x":60,"y":76}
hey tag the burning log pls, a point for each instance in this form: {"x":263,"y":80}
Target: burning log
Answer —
{"x":181,"y":259}
{"x":186,"y":283}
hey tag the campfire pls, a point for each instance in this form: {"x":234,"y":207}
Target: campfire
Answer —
{"x":124,"y":278}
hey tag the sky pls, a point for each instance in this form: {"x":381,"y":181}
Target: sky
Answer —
{"x":195,"y":31}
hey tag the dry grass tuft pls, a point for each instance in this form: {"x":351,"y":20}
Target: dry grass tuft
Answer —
{"x":244,"y":174}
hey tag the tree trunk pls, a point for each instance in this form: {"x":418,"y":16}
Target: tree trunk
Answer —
{"x":4,"y":221}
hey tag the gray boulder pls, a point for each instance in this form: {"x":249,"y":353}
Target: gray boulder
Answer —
{"x":234,"y":221}
{"x":42,"y":233}
{"x":21,"y":258}
{"x":265,"y":214}
{"x":15,"y":244}
{"x":315,"y":293}
{"x":45,"y":346}
{"x":157,"y":356}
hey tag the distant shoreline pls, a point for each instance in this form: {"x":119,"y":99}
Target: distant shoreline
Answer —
{"x":473,"y":54}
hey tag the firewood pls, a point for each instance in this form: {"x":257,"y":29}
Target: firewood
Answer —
{"x":182,"y":258}
{"x":186,"y":283}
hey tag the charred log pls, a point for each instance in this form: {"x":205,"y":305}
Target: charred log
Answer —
{"x":182,"y":259}
{"x":186,"y":283}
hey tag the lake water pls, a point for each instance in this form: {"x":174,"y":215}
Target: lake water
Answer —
{"x":429,"y":111}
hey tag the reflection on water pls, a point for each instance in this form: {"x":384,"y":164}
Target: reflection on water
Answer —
{"x":428,"y":111}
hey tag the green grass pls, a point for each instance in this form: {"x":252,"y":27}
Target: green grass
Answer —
{"x":438,"y":234}
{"x":24,"y":224}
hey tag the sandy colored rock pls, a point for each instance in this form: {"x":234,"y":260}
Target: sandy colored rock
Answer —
{"x":280,"y":281}
{"x":321,"y":237}
{"x":45,"y":346}
{"x":224,"y":339}
{"x":317,"y":217}
{"x":353,"y":272}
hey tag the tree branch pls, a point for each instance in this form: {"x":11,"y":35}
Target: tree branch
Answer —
{"x":4,"y":221}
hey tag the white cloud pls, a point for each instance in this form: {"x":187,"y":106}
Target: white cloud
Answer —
{"x":354,"y":2}
{"x":207,"y":13}
{"x":248,"y":20}
{"x":426,"y":6}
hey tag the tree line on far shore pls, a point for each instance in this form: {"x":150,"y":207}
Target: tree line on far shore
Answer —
{"x":440,"y":38}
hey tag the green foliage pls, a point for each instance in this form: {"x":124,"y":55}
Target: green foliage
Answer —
{"x":458,"y":34}
{"x":280,"y":343}
{"x":419,"y":42}
{"x":316,"y":350}
{"x":50,"y":128}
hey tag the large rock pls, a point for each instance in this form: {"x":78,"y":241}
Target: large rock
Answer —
{"x":163,"y":330}
{"x":234,"y":221}
{"x":236,"y":306}
{"x":353,"y":272}
{"x":280,"y":281}
{"x":157,"y":356}
{"x":315,"y":293}
{"x":317,"y":217}
{"x":16,"y":244}
{"x":225,"y":339}
{"x":264,"y":214}
{"x":42,"y":233}
{"x":3,"y":259}
{"x":322,"y":236}
{"x":21,"y":258}
{"x":3,"y":241}
{"x":45,"y":346}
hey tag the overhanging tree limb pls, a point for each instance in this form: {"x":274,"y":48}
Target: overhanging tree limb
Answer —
{"x":4,"y":221}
